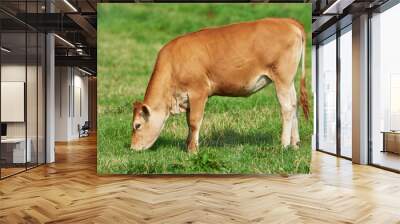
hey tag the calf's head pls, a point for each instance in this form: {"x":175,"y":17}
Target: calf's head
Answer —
{"x":146,"y":126}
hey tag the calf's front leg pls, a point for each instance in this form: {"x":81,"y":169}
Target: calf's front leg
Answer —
{"x":194,"y":117}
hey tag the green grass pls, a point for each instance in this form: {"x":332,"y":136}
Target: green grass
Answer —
{"x":238,"y":135}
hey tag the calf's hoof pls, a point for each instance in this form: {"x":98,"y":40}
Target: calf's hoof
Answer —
{"x":294,"y":147}
{"x":296,"y":144}
{"x":192,"y":148}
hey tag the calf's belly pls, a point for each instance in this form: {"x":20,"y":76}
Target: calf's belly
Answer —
{"x":242,"y":87}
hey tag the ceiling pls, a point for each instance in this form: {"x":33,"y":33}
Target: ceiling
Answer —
{"x":74,"y":22}
{"x":330,"y":15}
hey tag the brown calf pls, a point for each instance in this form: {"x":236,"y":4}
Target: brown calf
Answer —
{"x":233,"y":60}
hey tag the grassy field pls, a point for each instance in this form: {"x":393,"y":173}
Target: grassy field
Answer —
{"x":238,"y":135}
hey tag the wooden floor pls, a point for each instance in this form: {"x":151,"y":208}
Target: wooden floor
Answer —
{"x":69,"y":191}
{"x":11,"y":170}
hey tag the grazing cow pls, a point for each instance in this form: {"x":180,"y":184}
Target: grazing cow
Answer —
{"x":233,"y":60}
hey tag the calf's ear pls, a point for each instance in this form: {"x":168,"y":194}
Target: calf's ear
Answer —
{"x":141,"y":108}
{"x":146,"y":111}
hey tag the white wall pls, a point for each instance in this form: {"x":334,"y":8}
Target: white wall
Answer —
{"x":12,"y":73}
{"x":34,"y":124}
{"x":79,"y":117}
{"x":70,"y":83}
{"x":62,"y":82}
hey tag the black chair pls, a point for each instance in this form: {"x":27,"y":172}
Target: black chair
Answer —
{"x":84,"y":130}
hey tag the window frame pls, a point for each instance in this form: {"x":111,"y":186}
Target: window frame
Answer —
{"x":333,"y":37}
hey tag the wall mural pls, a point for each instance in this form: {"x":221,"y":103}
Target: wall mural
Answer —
{"x":204,"y":88}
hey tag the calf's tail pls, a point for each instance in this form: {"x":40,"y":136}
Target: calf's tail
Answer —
{"x":303,"y":88}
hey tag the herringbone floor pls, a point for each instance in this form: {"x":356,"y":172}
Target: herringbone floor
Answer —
{"x":69,"y":191}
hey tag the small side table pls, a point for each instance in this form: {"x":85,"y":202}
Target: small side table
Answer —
{"x":391,"y":141}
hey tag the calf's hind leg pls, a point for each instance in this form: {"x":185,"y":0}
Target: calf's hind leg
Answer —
{"x":295,"y":138}
{"x":288,"y":111}
{"x":194,"y":117}
{"x":285,"y":72}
